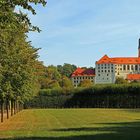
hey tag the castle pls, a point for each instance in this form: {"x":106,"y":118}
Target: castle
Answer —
{"x":108,"y":69}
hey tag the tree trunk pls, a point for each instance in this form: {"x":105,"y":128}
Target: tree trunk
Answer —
{"x":2,"y":111}
{"x":12,"y":108}
{"x":18,"y":107}
{"x":7,"y":108}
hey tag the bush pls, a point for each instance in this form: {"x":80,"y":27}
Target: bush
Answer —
{"x":99,"y":96}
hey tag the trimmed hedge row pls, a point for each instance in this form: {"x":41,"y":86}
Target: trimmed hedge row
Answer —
{"x":99,"y":96}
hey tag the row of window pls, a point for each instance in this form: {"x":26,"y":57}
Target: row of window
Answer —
{"x":83,"y":78}
{"x":76,"y":81}
{"x":105,"y":64}
{"x":105,"y":71}
{"x":128,"y":67}
{"x":105,"y":67}
{"x":100,"y":75}
{"x":124,"y":67}
{"x":104,"y":79}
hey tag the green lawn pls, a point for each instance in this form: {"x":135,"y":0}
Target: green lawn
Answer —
{"x":73,"y":124}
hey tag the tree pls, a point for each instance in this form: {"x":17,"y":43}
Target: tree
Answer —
{"x":66,"y":83}
{"x":10,"y":5}
{"x":135,"y":82}
{"x":52,"y":73}
{"x":86,"y":83}
{"x":54,"y":85}
{"x":66,"y":69}
{"x":40,"y":72}
{"x":120,"y":80}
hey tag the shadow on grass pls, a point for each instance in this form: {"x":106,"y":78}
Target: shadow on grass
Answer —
{"x":113,"y":131}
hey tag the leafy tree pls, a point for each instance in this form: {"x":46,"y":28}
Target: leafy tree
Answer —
{"x":120,"y":80}
{"x":66,"y":83}
{"x":54,"y":85}
{"x":135,"y":81}
{"x":86,"y":83}
{"x":40,"y":72}
{"x":66,"y":69}
{"x":10,"y":5}
{"x":52,"y":73}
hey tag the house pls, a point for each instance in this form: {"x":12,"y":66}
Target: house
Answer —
{"x":81,"y":74}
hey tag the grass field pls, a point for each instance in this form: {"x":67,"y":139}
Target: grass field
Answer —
{"x":72,"y":124}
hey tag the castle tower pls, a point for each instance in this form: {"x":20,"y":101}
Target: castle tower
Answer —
{"x":139,"y":49}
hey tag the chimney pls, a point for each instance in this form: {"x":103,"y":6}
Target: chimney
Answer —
{"x":139,"y":48}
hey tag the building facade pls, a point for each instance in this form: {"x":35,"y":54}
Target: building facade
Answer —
{"x":108,"y":69}
{"x":82,"y":74}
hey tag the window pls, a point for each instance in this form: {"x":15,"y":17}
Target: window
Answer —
{"x":108,"y":70}
{"x":132,"y":68}
{"x":124,"y":67}
{"x":136,"y":67}
{"x":107,"y":74}
{"x":128,"y":67}
{"x":98,"y":74}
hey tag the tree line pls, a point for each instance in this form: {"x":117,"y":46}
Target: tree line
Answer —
{"x":18,"y":58}
{"x":57,"y":77}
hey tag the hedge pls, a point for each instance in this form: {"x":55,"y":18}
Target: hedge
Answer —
{"x":98,"y":96}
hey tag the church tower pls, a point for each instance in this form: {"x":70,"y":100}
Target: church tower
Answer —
{"x":139,"y":49}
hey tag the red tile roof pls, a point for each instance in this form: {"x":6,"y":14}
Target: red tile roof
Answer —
{"x":133,"y":77}
{"x":83,"y":72}
{"x":119,"y":60}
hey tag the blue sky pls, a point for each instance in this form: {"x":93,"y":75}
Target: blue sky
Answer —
{"x":81,"y":31}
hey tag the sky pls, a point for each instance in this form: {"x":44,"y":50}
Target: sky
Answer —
{"x":80,"y":32}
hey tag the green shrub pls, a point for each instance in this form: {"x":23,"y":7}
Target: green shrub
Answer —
{"x":101,"y":96}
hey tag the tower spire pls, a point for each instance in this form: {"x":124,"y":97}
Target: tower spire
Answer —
{"x":139,"y":48}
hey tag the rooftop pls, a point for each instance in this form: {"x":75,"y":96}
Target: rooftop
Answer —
{"x":133,"y":77}
{"x":83,"y":72}
{"x":118,"y":60}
